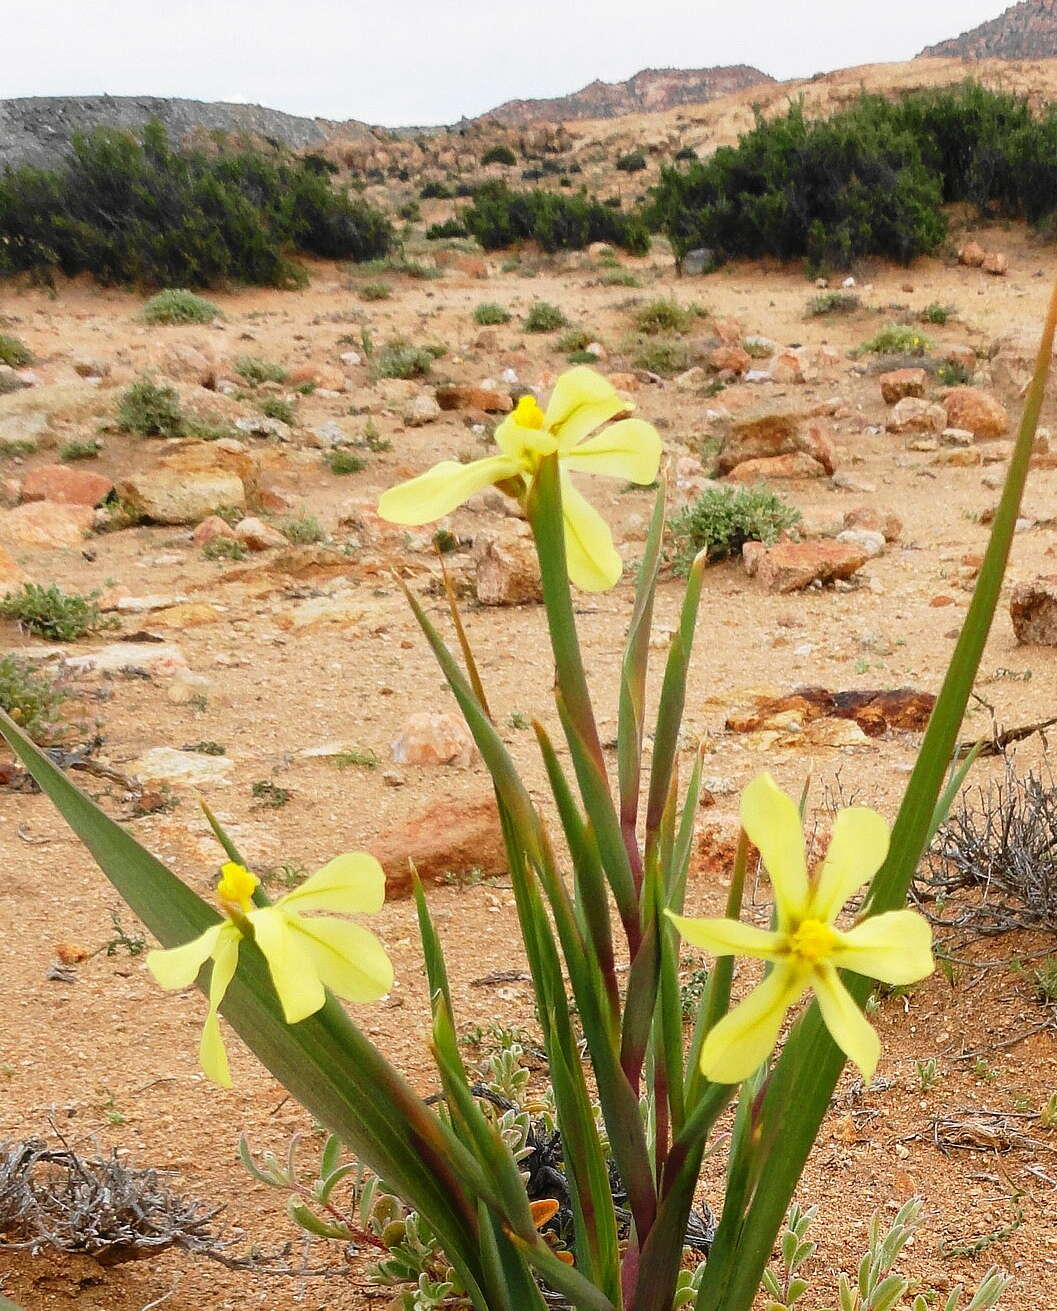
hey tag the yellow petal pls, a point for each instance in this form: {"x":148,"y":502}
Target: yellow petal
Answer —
{"x":772,"y":821}
{"x":293,"y":972}
{"x":353,"y":883}
{"x":594,"y":564}
{"x":895,"y":948}
{"x":743,"y":1039}
{"x":857,"y":850}
{"x":211,"y":1053}
{"x":440,"y":490}
{"x":726,"y":937}
{"x":178,"y":967}
{"x":629,"y":449}
{"x":348,"y":958}
{"x":582,"y":400}
{"x":848,"y":1026}
{"x":525,"y":446}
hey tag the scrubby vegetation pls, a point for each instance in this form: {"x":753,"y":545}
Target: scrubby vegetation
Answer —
{"x":177,"y":305}
{"x":51,"y":613}
{"x":633,"y":162}
{"x":663,"y":315}
{"x":151,"y":410}
{"x":499,"y":155}
{"x":30,"y":697}
{"x":542,"y":316}
{"x":500,"y":217}
{"x":450,"y":228}
{"x":399,"y":359}
{"x":722,"y":519}
{"x":256,"y":370}
{"x":489,"y":313}
{"x":13,"y":352}
{"x":896,"y":339}
{"x":834,"y":302}
{"x":140,"y":211}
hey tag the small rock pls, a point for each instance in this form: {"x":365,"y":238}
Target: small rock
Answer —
{"x":692,"y":378}
{"x":1033,"y":610}
{"x":914,"y":414}
{"x":996,"y":264}
{"x":185,"y":497}
{"x":902,"y":382}
{"x":210,"y":528}
{"x":976,"y":412}
{"x":11,"y":380}
{"x":459,"y":397}
{"x":730,"y":359}
{"x":786,"y":368}
{"x":22,"y":433}
{"x":698,"y":261}
{"x":873,"y":543}
{"x":434,"y":738}
{"x":956,"y":437}
{"x":797,"y":464}
{"x":168,"y":765}
{"x":885,"y":522}
{"x":421,"y":409}
{"x":260,"y":425}
{"x":972,"y":254}
{"x":507,"y":571}
{"x":792,"y":566}
{"x":325,"y":436}
{"x":157,"y":657}
{"x":258,"y":535}
{"x":445,"y":839}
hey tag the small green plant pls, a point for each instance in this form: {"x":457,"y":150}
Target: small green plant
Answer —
{"x":51,"y":613}
{"x":13,"y":352}
{"x":1048,"y":1112}
{"x":134,"y":944}
{"x":544,"y":317}
{"x":952,"y":373}
{"x":399,"y":359}
{"x":32,"y":699}
{"x":574,"y":340}
{"x":582,"y":357}
{"x":206,"y":748}
{"x":788,"y":1287}
{"x":269,"y":795}
{"x":663,"y":355}
{"x":450,"y":229}
{"x":488,"y":313}
{"x":619,"y":278}
{"x":723,"y":519}
{"x":984,"y":1070}
{"x":373,"y":439}
{"x":928,"y":1073}
{"x":175,"y":305}
{"x":435,"y":191}
{"x":302,"y":529}
{"x":1046,"y":979}
{"x":410,"y":211}
{"x":224,"y":548}
{"x":277,"y":408}
{"x":517,"y":720}
{"x":833,"y":302}
{"x":150,"y":410}
{"x":375,"y":290}
{"x":936,"y":313}
{"x":342,"y":461}
{"x":401,"y":265}
{"x":445,"y":541}
{"x":896,"y":339}
{"x":691,"y":991}
{"x":499,"y":155}
{"x":80,"y":450}
{"x":256,"y":370}
{"x":662,"y":316}
{"x":356,"y":759}
{"x":633,"y":162}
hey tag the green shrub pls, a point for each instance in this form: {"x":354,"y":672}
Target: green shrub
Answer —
{"x":544,"y":317}
{"x":500,"y":217}
{"x":411,"y":212}
{"x":663,"y":315}
{"x":140,"y":211}
{"x":896,"y":339}
{"x":277,"y":408}
{"x":150,"y":410}
{"x":834,"y":302}
{"x":685,"y":152}
{"x":51,"y":613}
{"x":375,"y":291}
{"x":499,"y":155}
{"x":399,"y":359}
{"x":953,"y":374}
{"x":410,"y":268}
{"x":936,"y":313}
{"x":179,"y":306}
{"x":302,"y":529}
{"x":582,"y":357}
{"x":80,"y":450}
{"x":449,"y":228}
{"x":224,"y":548}
{"x":663,"y":355}
{"x":633,"y":162}
{"x":31,"y":698}
{"x":489,"y":313}
{"x":13,"y":353}
{"x":574,"y":340}
{"x":722,"y":519}
{"x":255,"y":370}
{"x":619,"y":278}
{"x":435,"y":191}
{"x":344,"y":462}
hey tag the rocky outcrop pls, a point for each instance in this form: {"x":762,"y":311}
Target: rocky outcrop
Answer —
{"x":1024,"y":31}
{"x":649,"y":90}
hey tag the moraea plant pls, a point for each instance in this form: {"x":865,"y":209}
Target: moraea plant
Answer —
{"x":618,"y":895}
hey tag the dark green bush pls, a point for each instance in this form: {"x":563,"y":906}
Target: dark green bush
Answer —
{"x":13,"y":352}
{"x":52,"y":613}
{"x":435,"y":191}
{"x":499,"y":155}
{"x":488,"y":312}
{"x":633,"y":162}
{"x":139,"y":211}
{"x":500,"y":217}
{"x":449,"y":228}
{"x":150,"y":410}
{"x":542,"y":316}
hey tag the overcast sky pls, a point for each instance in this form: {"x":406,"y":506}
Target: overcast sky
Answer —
{"x":403,"y":62}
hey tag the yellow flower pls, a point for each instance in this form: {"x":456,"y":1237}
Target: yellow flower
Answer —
{"x":581,"y":402}
{"x":305,"y":956}
{"x":805,"y":951}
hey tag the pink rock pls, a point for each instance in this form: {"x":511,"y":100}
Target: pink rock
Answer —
{"x":796,"y":464}
{"x":58,"y":482}
{"x":1033,"y":610}
{"x":792,"y":566}
{"x":459,"y":397}
{"x":972,"y":254}
{"x":46,"y":524}
{"x":786,"y":368}
{"x":258,"y":535}
{"x":507,"y":572}
{"x":211,"y":528}
{"x":432,"y":738}
{"x":977,"y":412}
{"x":902,"y":382}
{"x":889,"y":525}
{"x":730,"y":359}
{"x":446,"y":838}
{"x":996,"y":264}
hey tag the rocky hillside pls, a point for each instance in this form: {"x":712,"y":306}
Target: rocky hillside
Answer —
{"x":1024,"y":31}
{"x":650,"y":90}
{"x":37,"y":129}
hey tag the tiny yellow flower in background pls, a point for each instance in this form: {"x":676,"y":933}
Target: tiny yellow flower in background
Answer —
{"x":305,"y":955}
{"x":805,"y":950}
{"x":581,"y":402}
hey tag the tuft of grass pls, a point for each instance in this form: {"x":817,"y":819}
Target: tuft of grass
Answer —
{"x":269,"y":795}
{"x":574,"y":340}
{"x":376,"y":290}
{"x":31,"y":698}
{"x":302,"y":529}
{"x":619,"y":278}
{"x":896,"y":339}
{"x":176,"y":305}
{"x":373,"y":439}
{"x":224,"y":548}
{"x":488,"y":313}
{"x":52,"y":613}
{"x":344,"y":462}
{"x":1046,"y":979}
{"x":936,"y":313}
{"x":150,"y":410}
{"x":834,"y":302}
{"x":206,"y":748}
{"x":399,"y":359}
{"x":663,"y":355}
{"x":582,"y":357}
{"x":276,"y":408}
{"x":13,"y":352}
{"x":663,"y":315}
{"x":544,"y":317}
{"x":361,"y":759}
{"x":255,"y":370}
{"x":80,"y":450}
{"x":722,"y":519}
{"x":400,"y":264}
{"x":953,"y":374}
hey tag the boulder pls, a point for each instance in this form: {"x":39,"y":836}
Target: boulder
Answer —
{"x":421,"y":409}
{"x":210,"y":528}
{"x":58,"y":482}
{"x":972,"y":254}
{"x":792,"y":566}
{"x":914,"y":414}
{"x":258,"y":535}
{"x":460,"y":397}
{"x":446,"y":839}
{"x":885,"y":522}
{"x":172,"y":497}
{"x":797,"y":464}
{"x":996,"y":264}
{"x":730,"y":359}
{"x":902,"y":382}
{"x":433,"y":738}
{"x":977,"y":412}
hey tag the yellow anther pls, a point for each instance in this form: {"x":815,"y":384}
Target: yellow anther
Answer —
{"x":237,"y":886}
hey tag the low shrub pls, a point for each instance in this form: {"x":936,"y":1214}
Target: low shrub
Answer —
{"x":302,"y":529}
{"x":450,"y":228}
{"x":31,"y":698}
{"x":896,"y":339}
{"x":663,"y":355}
{"x":256,"y":370}
{"x":619,"y":278}
{"x":500,"y":217}
{"x":344,"y":462}
{"x":834,"y":302}
{"x":936,"y":313}
{"x":80,"y":450}
{"x":544,"y":317}
{"x":663,"y":315}
{"x":51,"y":613}
{"x":399,"y":359}
{"x":722,"y":519}
{"x":224,"y":548}
{"x":574,"y":340}
{"x":400,"y":264}
{"x":499,"y":155}
{"x":13,"y":352}
{"x":435,"y":191}
{"x":375,"y":291}
{"x":175,"y":305}
{"x":488,"y":313}
{"x":151,"y":410}
{"x":633,"y":162}
{"x":277,"y":408}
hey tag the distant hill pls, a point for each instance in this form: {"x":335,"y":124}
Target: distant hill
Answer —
{"x":1024,"y":31}
{"x":650,"y":90}
{"x":37,"y":129}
